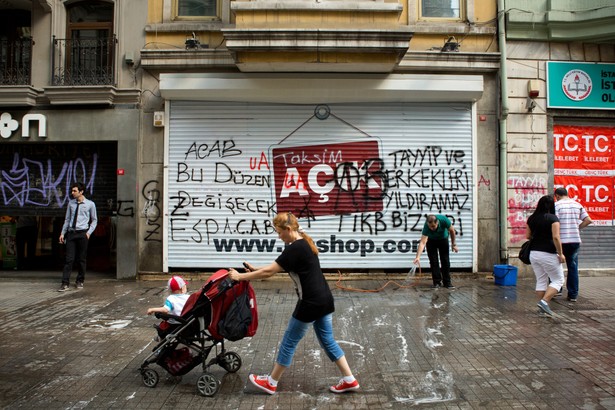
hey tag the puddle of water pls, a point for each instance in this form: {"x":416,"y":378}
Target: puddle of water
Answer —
{"x":107,"y":323}
{"x":438,"y":384}
{"x":437,"y":387}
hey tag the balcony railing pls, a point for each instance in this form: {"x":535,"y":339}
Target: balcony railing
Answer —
{"x":89,"y":61}
{"x":16,"y":61}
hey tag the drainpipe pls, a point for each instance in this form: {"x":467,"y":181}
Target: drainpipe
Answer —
{"x":503,"y":140}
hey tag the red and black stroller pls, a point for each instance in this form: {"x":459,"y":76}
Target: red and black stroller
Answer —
{"x":221,"y":309}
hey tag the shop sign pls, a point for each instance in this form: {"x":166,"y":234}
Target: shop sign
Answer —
{"x":584,"y":164}
{"x":331,"y":178}
{"x":580,"y":85}
{"x":8,"y":125}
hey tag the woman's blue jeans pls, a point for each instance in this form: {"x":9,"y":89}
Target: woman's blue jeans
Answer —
{"x":295,"y":331}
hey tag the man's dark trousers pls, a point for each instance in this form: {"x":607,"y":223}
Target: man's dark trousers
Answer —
{"x":435,"y":247}
{"x":76,"y":251}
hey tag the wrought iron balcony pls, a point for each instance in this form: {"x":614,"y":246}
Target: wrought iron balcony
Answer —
{"x":16,"y":61}
{"x":83,"y":61}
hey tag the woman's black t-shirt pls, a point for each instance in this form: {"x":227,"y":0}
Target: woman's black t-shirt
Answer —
{"x":315,"y":298}
{"x":542,"y":236}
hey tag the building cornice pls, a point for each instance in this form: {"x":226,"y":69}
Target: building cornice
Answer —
{"x":413,"y":61}
{"x":16,"y":96}
{"x":314,"y":50}
{"x":92,"y":95}
{"x":442,"y":62}
{"x":180,"y":59}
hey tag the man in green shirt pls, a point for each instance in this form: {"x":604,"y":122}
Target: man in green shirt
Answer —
{"x":435,"y":234}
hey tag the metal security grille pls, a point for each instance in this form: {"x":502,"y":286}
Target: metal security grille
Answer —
{"x":360,"y":177}
{"x":597,"y":248}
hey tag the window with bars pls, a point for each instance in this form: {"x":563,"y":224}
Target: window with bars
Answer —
{"x":15,"y":48}
{"x":87,"y":55}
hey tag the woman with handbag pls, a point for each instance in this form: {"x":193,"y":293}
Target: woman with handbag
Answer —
{"x":546,"y":253}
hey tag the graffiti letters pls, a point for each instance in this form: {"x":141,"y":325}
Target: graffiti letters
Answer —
{"x":258,"y":163}
{"x":427,"y":156}
{"x":183,"y":201}
{"x":220,"y":149}
{"x":151,"y":211}
{"x":30,"y":182}
{"x":368,"y":193}
{"x":203,"y":229}
{"x":527,"y":192}
{"x":125,"y":208}
{"x":225,"y":174}
{"x":484,"y":181}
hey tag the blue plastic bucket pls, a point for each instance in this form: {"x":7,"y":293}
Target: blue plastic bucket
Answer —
{"x":505,"y":275}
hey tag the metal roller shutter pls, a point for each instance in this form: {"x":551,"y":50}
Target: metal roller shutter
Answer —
{"x":597,"y":247}
{"x":361,"y":180}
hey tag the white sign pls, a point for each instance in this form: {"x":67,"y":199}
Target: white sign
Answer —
{"x":8,"y":125}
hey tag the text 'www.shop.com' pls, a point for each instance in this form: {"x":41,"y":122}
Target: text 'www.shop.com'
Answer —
{"x":332,"y":245}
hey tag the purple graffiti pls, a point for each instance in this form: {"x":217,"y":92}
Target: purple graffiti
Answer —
{"x":31,"y":182}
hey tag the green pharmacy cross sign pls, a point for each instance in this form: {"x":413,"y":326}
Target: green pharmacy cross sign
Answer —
{"x":580,"y":85}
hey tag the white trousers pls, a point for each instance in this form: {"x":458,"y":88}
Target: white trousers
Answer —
{"x":547,"y":267}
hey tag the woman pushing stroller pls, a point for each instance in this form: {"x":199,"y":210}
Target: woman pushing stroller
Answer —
{"x":315,"y":305}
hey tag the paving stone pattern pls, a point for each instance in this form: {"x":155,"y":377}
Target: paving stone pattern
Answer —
{"x":478,"y":346}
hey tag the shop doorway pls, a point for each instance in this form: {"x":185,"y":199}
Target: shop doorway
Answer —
{"x":34,"y":192}
{"x":31,"y":243}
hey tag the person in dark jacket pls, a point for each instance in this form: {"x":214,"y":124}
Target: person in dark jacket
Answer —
{"x":546,"y":252}
{"x":314,"y":308}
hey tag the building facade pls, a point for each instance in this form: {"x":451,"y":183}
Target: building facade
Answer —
{"x":358,"y":117}
{"x":560,"y":116}
{"x":70,"y":111}
{"x":193,"y":122}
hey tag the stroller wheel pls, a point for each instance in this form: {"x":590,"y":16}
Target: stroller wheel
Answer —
{"x":230,"y":361}
{"x":207,"y":384}
{"x":150,"y":377}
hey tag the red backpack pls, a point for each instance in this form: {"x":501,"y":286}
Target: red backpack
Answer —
{"x":234,"y":314}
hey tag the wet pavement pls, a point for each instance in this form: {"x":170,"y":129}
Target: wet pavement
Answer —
{"x":478,"y":346}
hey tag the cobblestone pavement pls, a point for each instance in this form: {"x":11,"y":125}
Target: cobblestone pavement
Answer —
{"x":478,"y":346}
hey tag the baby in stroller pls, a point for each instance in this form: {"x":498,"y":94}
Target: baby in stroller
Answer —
{"x":221,"y":309}
{"x":173,"y":305}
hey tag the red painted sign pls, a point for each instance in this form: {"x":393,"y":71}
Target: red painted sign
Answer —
{"x":329,"y":179}
{"x":584,"y":163}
